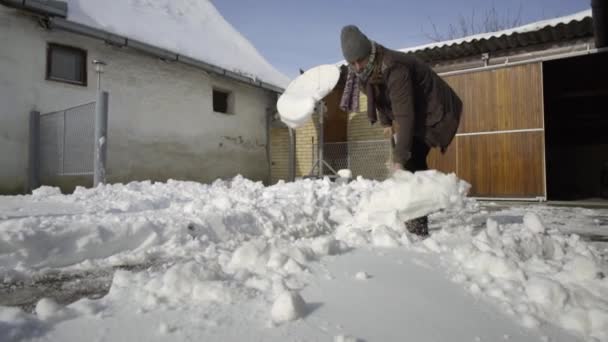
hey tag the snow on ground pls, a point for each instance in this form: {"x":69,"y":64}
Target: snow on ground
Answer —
{"x":193,"y":28}
{"x":305,"y":261}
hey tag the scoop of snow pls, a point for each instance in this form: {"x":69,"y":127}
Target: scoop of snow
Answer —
{"x":297,"y":103}
{"x":412,"y":195}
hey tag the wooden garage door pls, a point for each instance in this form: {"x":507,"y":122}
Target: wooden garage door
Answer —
{"x":499,"y":147}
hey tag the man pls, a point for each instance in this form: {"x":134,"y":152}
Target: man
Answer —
{"x":408,"y":98}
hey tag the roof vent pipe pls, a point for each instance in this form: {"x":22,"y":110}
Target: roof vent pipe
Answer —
{"x":599,"y":10}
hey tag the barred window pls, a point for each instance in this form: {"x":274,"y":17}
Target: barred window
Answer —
{"x":66,"y":64}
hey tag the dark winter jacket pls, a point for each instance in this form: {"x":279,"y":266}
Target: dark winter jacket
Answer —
{"x":421,"y":103}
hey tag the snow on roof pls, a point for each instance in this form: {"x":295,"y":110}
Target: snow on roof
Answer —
{"x":192,"y":28}
{"x":535,"y":26}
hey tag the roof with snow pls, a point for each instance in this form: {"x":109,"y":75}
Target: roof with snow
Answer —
{"x":190,"y":31}
{"x":577,"y":25}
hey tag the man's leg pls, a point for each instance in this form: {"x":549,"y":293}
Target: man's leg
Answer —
{"x":417,"y":162}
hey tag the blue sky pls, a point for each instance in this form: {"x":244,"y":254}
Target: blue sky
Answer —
{"x":301,"y":34}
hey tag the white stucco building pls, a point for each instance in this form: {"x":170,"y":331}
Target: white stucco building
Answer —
{"x":163,"y":122}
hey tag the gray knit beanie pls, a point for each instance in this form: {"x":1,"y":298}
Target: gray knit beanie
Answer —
{"x":355,"y":45}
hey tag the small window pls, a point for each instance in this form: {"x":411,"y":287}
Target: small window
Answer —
{"x":222,"y":101}
{"x":66,"y":64}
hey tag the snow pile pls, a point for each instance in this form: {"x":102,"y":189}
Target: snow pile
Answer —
{"x":193,"y":28}
{"x":536,"y":274}
{"x":298,"y":102}
{"x":183,"y":283}
{"x":239,"y":224}
{"x":288,"y":306}
{"x":190,"y":247}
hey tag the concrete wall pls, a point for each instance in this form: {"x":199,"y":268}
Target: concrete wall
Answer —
{"x":161,"y":122}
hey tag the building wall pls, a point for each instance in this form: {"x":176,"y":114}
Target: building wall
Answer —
{"x":279,"y":154}
{"x":306,"y":140}
{"x":161,"y":121}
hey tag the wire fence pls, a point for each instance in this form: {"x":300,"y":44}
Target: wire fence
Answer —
{"x":364,"y":158}
{"x":67,"y":141}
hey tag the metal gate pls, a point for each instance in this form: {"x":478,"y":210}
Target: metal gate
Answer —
{"x":67,"y":142}
{"x":364,"y":158}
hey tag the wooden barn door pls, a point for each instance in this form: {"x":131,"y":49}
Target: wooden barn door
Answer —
{"x":499,"y":147}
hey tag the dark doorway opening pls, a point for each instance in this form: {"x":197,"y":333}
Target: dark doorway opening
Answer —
{"x":576,"y":127}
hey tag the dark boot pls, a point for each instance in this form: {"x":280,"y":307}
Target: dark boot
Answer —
{"x":418,"y":226}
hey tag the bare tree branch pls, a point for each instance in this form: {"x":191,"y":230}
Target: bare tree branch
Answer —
{"x":491,"y":21}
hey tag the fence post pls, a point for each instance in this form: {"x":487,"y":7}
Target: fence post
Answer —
{"x":101,"y":138}
{"x":33,"y":168}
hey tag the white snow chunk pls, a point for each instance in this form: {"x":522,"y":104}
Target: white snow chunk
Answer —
{"x":362,"y":275}
{"x":546,"y":292}
{"x":297,"y":103}
{"x":581,"y":268}
{"x":47,"y":308}
{"x":432,"y":245}
{"x":252,"y":256}
{"x":46,"y":191}
{"x":533,"y":223}
{"x":383,"y":237}
{"x":345,"y":173}
{"x":288,"y":306}
{"x":346,"y":338}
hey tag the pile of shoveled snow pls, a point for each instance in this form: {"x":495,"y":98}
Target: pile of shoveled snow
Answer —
{"x":142,"y":222}
{"x":534,"y":273}
{"x":237,"y":241}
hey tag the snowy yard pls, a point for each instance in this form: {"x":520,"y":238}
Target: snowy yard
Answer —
{"x":305,"y":261}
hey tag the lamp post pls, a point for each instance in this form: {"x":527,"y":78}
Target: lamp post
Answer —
{"x":101,"y":128}
{"x":99,"y":69}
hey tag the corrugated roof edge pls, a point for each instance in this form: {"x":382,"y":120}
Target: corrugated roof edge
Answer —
{"x":535,"y":26}
{"x":58,"y":22}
